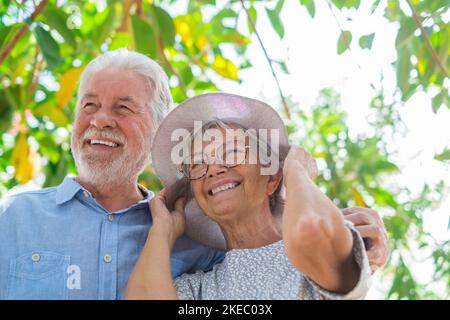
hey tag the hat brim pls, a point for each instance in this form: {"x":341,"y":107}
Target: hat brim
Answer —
{"x":246,"y":112}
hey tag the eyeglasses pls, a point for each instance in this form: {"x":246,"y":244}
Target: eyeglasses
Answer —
{"x":230,"y":155}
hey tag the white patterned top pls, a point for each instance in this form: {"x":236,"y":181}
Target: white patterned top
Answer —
{"x":266,"y":274}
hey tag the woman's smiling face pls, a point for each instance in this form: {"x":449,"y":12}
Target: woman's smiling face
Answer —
{"x":224,"y":193}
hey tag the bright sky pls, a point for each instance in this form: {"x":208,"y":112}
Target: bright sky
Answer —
{"x":310,"y":49}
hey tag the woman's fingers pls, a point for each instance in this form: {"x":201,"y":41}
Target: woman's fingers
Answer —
{"x":158,"y":204}
{"x":305,"y":159}
{"x":162,"y":196}
{"x":180,"y":204}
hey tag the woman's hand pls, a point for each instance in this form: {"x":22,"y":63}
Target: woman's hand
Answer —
{"x":167,"y":224}
{"x":151,"y":277}
{"x":299,"y":159}
{"x":317,"y":241}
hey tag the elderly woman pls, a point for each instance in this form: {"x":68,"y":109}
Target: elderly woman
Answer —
{"x":305,"y":250}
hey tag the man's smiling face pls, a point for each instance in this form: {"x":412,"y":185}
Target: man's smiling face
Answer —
{"x":112,"y":130}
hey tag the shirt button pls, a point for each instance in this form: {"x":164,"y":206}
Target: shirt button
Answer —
{"x":36,"y":257}
{"x":107,"y":258}
{"x":110,"y":217}
{"x":86,"y":194}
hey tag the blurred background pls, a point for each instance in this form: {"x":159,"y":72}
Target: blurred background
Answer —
{"x":362,"y":85}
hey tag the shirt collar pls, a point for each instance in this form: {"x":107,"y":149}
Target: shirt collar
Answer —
{"x":69,"y":188}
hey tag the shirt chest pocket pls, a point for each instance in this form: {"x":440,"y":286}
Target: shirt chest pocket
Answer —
{"x":38,"y":275}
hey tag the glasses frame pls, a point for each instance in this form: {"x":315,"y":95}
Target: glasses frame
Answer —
{"x":187,"y":175}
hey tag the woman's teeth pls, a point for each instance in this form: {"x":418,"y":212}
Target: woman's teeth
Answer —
{"x":224,"y":187}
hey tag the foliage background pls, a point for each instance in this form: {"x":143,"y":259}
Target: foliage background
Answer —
{"x":45,"y":45}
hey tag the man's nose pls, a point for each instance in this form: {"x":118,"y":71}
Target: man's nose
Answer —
{"x":103,"y":119}
{"x":215,"y":170}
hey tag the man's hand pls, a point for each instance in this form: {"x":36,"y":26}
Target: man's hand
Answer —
{"x":371,"y":227}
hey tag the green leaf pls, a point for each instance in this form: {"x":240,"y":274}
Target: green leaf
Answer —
{"x":346,"y":4}
{"x":49,"y":47}
{"x":253,"y":16}
{"x":310,"y":6}
{"x":211,"y":2}
{"x":54,"y":114}
{"x":344,"y":41}
{"x":4,"y":31}
{"x":143,"y":36}
{"x":279,"y":6}
{"x":6,"y":112}
{"x":404,"y":285}
{"x":282,"y":65}
{"x":392,"y":11}
{"x":204,"y":85}
{"x":276,"y":22}
{"x":385,"y":166}
{"x":365,"y":42}
{"x":224,"y":13}
{"x":186,"y":74}
{"x":232,"y":36}
{"x":166,"y":26}
{"x":443,"y":156}
{"x":121,"y":40}
{"x":47,"y":147}
{"x":383,"y":197}
{"x":403,"y":67}
{"x":104,"y":25}
{"x":374,"y":6}
{"x":439,"y":99}
{"x":406,"y":31}
{"x":57,"y":20}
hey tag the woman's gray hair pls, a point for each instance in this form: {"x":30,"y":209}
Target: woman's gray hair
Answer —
{"x":276,"y":201}
{"x":160,"y":100}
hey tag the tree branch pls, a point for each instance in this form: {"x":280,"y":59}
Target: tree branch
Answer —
{"x":38,"y":66}
{"x":427,"y":40}
{"x":283,"y":99}
{"x":23,"y":29}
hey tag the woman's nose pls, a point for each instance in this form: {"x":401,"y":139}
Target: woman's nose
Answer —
{"x":215,"y":170}
{"x":103,"y":119}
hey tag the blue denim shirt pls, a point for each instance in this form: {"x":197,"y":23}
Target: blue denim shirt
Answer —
{"x":59,"y":243}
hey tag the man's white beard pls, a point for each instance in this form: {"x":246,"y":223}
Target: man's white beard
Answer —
{"x":106,"y":173}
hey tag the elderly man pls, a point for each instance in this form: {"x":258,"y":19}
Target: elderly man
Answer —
{"x":81,"y":239}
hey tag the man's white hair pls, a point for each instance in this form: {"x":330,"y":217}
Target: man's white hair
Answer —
{"x":160,"y":99}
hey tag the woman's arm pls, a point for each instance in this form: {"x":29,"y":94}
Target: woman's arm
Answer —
{"x":151,"y":277}
{"x":317,"y":241}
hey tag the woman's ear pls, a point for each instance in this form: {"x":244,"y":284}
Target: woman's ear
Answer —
{"x":274,"y":182}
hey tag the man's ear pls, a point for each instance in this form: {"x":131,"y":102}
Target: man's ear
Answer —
{"x":274,"y":182}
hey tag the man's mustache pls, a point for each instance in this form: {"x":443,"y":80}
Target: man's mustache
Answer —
{"x":106,"y":134}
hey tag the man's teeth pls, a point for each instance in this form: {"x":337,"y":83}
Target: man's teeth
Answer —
{"x":224,"y":187}
{"x":106,"y":143}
